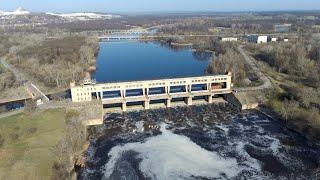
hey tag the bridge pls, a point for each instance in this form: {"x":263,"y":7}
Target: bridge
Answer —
{"x":153,"y":92}
{"x":144,"y":36}
{"x":132,"y":36}
{"x":126,"y":32}
{"x":110,"y":38}
{"x":36,"y":93}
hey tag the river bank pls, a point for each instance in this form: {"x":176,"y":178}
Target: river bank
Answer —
{"x":181,"y":44}
{"x":311,"y":134}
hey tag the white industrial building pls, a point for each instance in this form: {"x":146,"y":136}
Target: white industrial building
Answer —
{"x":274,"y":39}
{"x":258,"y":39}
{"x":228,"y":39}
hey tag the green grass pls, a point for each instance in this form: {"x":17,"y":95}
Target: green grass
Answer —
{"x":28,"y":139}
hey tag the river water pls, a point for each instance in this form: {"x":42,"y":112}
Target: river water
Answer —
{"x":199,"y":142}
{"x":131,"y":60}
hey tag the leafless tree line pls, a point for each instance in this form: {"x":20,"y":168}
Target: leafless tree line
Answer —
{"x":66,"y":151}
{"x":55,"y":60}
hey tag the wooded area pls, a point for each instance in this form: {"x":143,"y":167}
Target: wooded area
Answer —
{"x":229,"y":61}
{"x":295,"y":67}
{"x":54,"y":61}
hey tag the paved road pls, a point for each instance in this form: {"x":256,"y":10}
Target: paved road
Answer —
{"x":266,"y":81}
{"x":8,"y":67}
{"x":31,"y":87}
{"x":67,"y":104}
{"x":11,"y":113}
{"x":37,"y":93}
{"x":53,"y":105}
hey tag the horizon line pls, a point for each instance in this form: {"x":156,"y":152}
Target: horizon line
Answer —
{"x":177,"y":11}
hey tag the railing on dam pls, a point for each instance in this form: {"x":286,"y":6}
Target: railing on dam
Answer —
{"x":153,"y":91}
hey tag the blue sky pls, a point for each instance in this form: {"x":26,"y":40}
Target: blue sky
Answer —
{"x":157,"y":5}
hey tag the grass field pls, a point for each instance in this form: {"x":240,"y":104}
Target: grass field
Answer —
{"x":25,"y":153}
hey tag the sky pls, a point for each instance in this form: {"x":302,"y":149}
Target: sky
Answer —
{"x":130,"y":6}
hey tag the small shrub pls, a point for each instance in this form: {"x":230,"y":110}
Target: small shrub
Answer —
{"x":31,"y":130}
{"x":59,"y":172}
{"x":14,"y":136}
{"x":30,"y":106}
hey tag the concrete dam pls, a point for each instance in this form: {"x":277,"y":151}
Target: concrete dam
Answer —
{"x":151,"y":93}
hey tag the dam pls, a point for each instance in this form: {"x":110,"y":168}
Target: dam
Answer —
{"x":153,"y":92}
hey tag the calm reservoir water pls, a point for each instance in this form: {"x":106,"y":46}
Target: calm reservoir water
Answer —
{"x":202,"y":142}
{"x":127,"y":61}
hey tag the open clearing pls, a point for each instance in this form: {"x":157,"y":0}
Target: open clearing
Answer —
{"x":25,"y":153}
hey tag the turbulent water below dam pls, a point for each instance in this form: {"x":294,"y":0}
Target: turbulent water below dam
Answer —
{"x":199,"y":142}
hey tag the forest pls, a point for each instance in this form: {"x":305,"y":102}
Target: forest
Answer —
{"x":54,"y":61}
{"x":295,"y":70}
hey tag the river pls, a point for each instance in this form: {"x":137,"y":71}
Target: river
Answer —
{"x":199,"y":142}
{"x":131,"y":60}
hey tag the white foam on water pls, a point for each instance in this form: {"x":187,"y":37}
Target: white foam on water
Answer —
{"x":139,"y":126}
{"x":191,"y":123}
{"x":250,"y":162}
{"x":224,"y":128}
{"x":275,"y":144}
{"x":172,"y":156}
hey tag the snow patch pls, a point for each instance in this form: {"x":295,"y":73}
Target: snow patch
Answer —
{"x":19,"y":11}
{"x":84,"y":16}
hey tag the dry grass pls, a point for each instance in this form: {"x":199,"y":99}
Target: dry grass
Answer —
{"x":14,"y":93}
{"x":28,"y":139}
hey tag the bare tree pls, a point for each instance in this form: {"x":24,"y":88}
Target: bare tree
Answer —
{"x":307,"y":96}
{"x":66,"y":150}
{"x":230,"y":61}
{"x":86,"y":54}
{"x":7,"y":80}
{"x":288,"y":108}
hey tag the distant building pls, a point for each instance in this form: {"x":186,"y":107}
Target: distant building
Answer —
{"x":274,"y":39}
{"x":258,"y":39}
{"x":286,"y":40}
{"x":229,"y":39}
